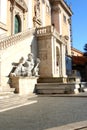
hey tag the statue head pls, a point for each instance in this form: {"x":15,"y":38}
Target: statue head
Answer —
{"x":30,"y":56}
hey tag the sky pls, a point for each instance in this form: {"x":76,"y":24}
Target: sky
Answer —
{"x":79,"y":23}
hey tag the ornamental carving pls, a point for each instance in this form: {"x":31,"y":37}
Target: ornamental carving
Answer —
{"x":37,"y":9}
{"x":36,"y":18}
{"x":22,"y":4}
{"x":66,"y":37}
{"x":29,"y":67}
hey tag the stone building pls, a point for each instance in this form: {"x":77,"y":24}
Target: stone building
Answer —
{"x":38,"y":26}
{"x":79,"y":63}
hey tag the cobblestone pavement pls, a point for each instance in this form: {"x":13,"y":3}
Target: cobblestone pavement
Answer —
{"x":49,"y":113}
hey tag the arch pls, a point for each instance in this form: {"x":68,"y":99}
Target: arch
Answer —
{"x":17,"y":25}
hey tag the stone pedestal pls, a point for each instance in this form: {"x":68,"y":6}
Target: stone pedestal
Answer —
{"x":24,"y":85}
{"x":74,"y":79}
{"x":51,"y":51}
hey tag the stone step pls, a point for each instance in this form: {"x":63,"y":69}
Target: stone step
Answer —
{"x":52,"y":80}
{"x":53,"y":84}
{"x":49,"y":88}
{"x":57,"y":88}
{"x":6,"y":92}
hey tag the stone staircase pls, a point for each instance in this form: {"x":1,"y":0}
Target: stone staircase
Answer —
{"x":6,"y":91}
{"x":12,"y":48}
{"x":55,"y":86}
{"x":52,"y":80}
{"x":50,"y":88}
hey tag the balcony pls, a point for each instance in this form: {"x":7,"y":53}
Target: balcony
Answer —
{"x":50,"y":31}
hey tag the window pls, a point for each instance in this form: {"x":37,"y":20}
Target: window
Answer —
{"x":64,"y":18}
{"x":17,"y":24}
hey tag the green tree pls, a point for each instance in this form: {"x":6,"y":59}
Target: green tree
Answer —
{"x":85,"y":49}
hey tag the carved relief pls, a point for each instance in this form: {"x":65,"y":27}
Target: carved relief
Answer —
{"x":22,"y":4}
{"x":43,"y":55}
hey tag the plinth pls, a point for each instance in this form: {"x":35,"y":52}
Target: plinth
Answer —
{"x":24,"y":85}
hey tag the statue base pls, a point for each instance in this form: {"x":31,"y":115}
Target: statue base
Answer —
{"x":24,"y":85}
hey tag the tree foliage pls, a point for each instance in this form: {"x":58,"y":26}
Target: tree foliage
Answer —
{"x":85,"y":49}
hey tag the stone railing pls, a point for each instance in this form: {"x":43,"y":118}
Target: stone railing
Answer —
{"x":48,"y":30}
{"x":11,"y":40}
{"x":44,"y":30}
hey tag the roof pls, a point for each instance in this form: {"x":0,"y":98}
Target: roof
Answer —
{"x":77,"y":51}
{"x":79,"y":60}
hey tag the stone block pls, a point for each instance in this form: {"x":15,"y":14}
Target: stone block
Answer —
{"x":24,"y":85}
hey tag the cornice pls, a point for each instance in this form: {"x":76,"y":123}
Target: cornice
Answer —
{"x":22,"y":4}
{"x":56,"y":9}
{"x":63,"y":4}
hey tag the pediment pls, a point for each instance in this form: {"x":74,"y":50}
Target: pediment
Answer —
{"x":22,"y":4}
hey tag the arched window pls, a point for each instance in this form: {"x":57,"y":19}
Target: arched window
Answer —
{"x":17,"y":28}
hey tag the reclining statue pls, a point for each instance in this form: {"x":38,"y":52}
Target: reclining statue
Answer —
{"x":30,"y":67}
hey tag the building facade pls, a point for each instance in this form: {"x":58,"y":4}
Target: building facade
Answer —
{"x":79,"y":63}
{"x":38,"y":26}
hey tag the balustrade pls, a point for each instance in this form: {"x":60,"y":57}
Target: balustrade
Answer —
{"x":11,"y":40}
{"x":50,"y":30}
{"x":43,"y":30}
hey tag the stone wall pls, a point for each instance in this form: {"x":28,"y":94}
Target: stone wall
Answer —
{"x":12,"y":55}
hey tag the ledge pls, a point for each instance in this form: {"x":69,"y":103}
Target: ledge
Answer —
{"x":3,"y":26}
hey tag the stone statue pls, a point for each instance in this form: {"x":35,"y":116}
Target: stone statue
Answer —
{"x":36,"y":68}
{"x":19,"y":69}
{"x":28,"y":67}
{"x":37,"y":9}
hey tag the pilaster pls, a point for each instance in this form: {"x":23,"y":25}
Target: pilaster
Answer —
{"x":0,"y":73}
{"x":12,"y":6}
{"x":63,"y":63}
